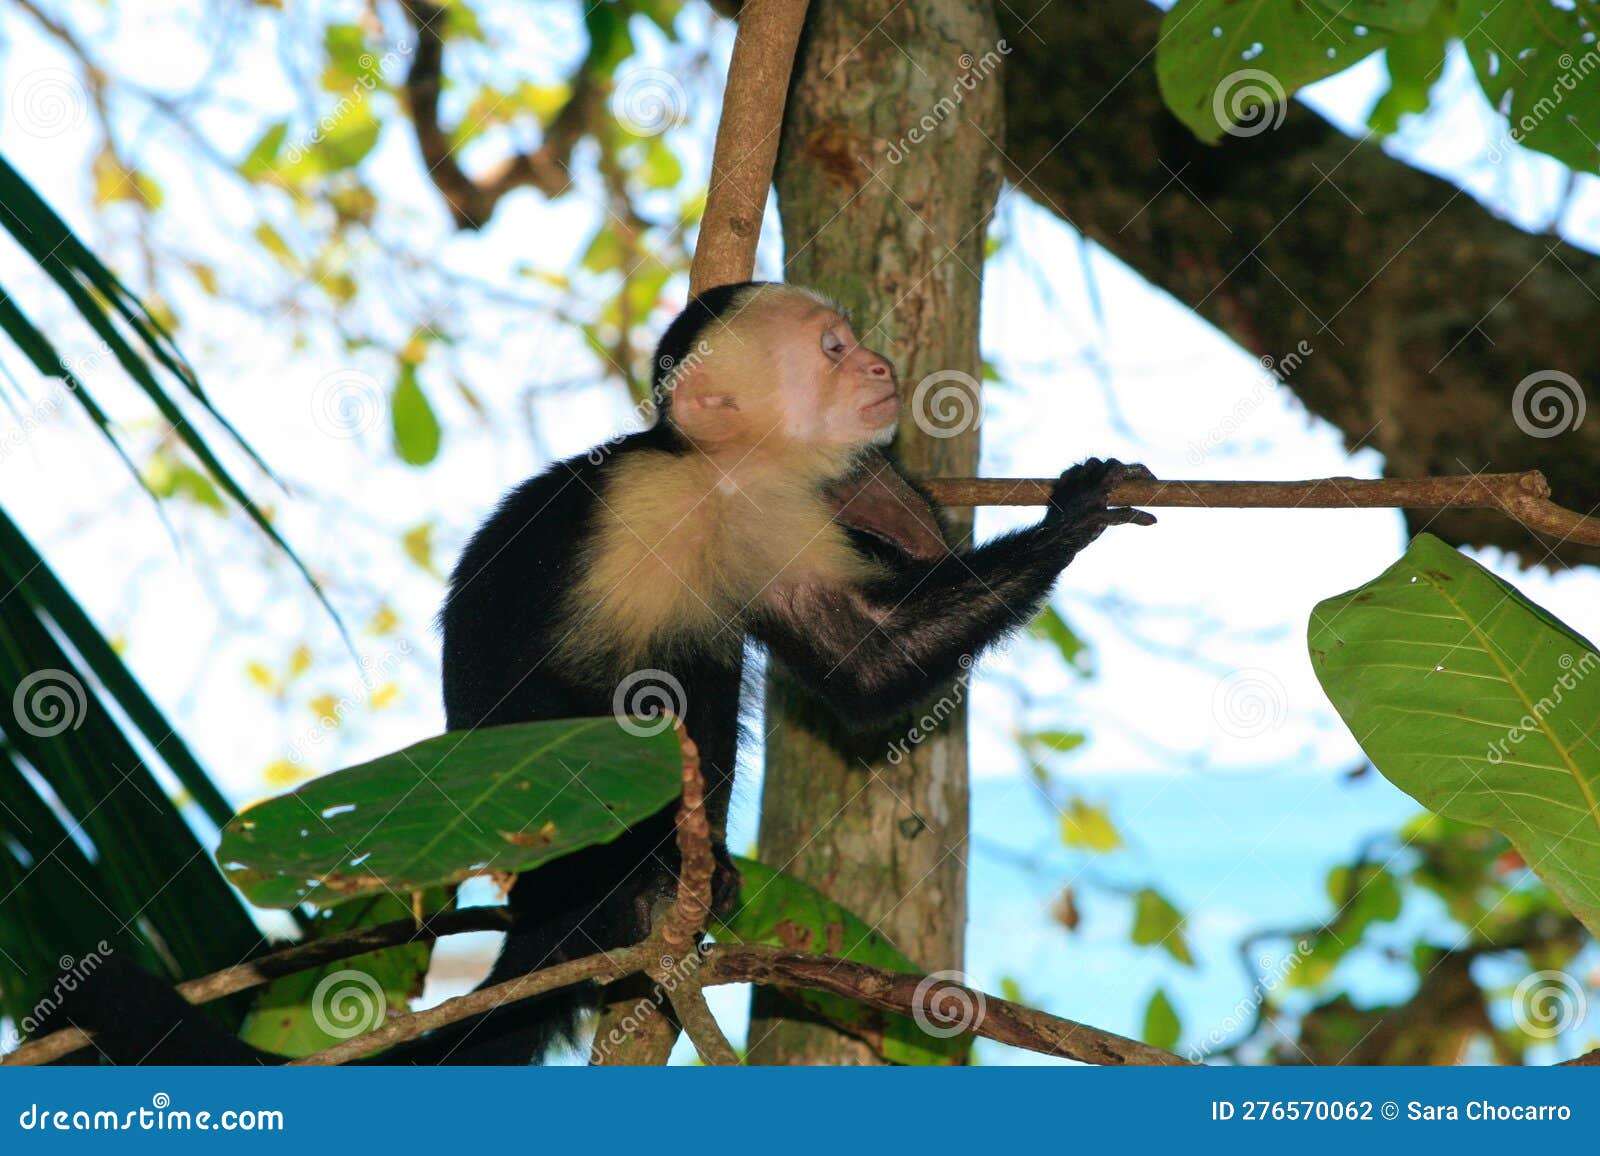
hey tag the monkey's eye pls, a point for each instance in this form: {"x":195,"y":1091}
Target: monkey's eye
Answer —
{"x":833,"y":344}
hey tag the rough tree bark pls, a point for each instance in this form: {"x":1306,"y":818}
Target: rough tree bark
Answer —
{"x":1424,"y":310}
{"x":896,"y":231}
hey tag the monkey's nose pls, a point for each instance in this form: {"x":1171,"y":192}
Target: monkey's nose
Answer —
{"x":878,"y":366}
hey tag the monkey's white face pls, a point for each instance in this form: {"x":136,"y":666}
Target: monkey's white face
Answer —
{"x":832,"y":389}
{"x":787,"y":369}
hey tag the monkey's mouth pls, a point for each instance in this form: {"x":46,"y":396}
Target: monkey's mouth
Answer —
{"x":889,"y":401}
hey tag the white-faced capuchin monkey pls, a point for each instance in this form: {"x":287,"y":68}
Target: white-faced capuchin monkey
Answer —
{"x":757,"y":507}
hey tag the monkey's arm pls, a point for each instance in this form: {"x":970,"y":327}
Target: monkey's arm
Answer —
{"x":872,"y":652}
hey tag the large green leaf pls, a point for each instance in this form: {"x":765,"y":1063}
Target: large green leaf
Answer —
{"x":1478,"y":703}
{"x":461,"y":804}
{"x":781,"y":911}
{"x":1229,"y":66}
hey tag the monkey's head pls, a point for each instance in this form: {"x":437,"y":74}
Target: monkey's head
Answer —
{"x":760,"y":365}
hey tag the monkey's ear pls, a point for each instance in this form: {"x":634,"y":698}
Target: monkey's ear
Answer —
{"x":705,"y":413}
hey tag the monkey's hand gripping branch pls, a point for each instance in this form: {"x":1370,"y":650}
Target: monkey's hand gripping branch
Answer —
{"x":673,"y":957}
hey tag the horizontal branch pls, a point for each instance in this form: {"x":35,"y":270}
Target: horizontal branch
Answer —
{"x":913,"y":995}
{"x":1524,"y":497}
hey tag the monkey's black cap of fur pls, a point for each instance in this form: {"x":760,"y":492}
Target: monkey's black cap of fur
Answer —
{"x":678,"y":346}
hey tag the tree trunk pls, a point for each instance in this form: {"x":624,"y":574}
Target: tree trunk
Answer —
{"x":887,"y":173}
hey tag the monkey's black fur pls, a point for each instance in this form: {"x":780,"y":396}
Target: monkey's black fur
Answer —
{"x":870,"y":652}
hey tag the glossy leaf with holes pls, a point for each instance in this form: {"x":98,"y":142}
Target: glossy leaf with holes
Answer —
{"x":500,"y":799}
{"x":1226,"y":67}
{"x":1478,"y":703}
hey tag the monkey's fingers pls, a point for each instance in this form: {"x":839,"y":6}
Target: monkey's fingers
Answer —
{"x":1127,"y":515}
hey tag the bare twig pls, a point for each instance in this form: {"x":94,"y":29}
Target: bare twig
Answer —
{"x":747,"y":142}
{"x":677,"y":969}
{"x":1524,"y":497}
{"x":673,"y":960}
{"x":912,"y":995}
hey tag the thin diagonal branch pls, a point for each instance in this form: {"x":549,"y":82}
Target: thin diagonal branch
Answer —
{"x":747,"y":142}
